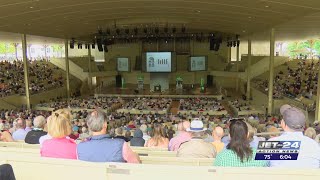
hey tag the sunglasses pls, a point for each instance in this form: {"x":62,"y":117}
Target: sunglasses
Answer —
{"x":236,"y":119}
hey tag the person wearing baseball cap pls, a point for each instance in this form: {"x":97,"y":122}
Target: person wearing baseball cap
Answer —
{"x":293,"y":123}
{"x":196,"y":147}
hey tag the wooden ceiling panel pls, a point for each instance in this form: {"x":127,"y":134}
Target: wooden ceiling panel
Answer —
{"x":63,"y":18}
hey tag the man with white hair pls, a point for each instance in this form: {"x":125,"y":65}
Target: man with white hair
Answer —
{"x":183,"y":136}
{"x":34,"y":135}
{"x":196,"y":147}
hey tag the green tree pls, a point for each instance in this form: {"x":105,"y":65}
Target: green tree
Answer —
{"x":317,"y":47}
{"x":6,"y":48}
{"x":56,"y":48}
{"x":292,"y":49}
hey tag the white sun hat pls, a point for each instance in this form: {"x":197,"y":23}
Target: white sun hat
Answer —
{"x":196,"y":126}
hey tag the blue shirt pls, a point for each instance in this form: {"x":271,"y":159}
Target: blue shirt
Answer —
{"x":101,"y":148}
{"x":19,"y":134}
{"x":309,"y":155}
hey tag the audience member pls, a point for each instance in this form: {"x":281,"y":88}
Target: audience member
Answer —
{"x":119,"y":134}
{"x":20,"y":133}
{"x":127,"y":135}
{"x":6,"y":172}
{"x":85,"y":133}
{"x":181,"y":137}
{"x":59,"y":127}
{"x":273,"y":129}
{"x":137,"y":139}
{"x":34,"y":135}
{"x":144,"y":128}
{"x":253,"y":139}
{"x":100,"y":148}
{"x":217,"y":134}
{"x":158,"y":140}
{"x":75,"y":133}
{"x":293,"y":124}
{"x":238,"y":152}
{"x":310,"y":132}
{"x":28,"y":125}
{"x":196,"y":147}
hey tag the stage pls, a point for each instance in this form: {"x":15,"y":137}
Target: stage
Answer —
{"x":132,"y":89}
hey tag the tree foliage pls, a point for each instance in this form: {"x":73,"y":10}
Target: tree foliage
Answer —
{"x":309,"y":47}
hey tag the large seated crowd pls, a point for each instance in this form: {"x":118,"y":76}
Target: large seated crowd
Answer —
{"x":200,"y":104}
{"x":42,"y":75}
{"x":102,"y":134}
{"x":98,"y":137}
{"x":150,"y":104}
{"x":297,"y":81}
{"x":83,"y":103}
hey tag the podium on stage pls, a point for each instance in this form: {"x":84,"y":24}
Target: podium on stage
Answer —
{"x":140,"y":81}
{"x":157,"y":88}
{"x":179,"y":85}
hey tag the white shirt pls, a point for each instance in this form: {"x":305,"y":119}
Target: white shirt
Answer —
{"x":309,"y":155}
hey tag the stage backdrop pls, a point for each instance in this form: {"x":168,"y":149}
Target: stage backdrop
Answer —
{"x":161,"y":79}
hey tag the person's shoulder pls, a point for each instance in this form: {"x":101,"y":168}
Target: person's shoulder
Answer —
{"x":281,"y":137}
{"x":311,"y":141}
{"x":226,"y":152}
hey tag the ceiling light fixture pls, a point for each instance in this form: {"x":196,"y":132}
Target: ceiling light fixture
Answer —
{"x":31,"y":7}
{"x":266,"y":6}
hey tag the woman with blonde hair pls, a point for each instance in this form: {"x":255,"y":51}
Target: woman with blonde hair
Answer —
{"x":59,"y":128}
{"x":158,"y":139}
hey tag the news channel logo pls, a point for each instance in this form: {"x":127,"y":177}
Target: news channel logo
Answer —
{"x":278,"y":150}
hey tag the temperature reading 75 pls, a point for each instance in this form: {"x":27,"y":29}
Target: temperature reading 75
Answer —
{"x":268,"y":156}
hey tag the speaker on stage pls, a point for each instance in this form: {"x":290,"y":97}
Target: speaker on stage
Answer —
{"x":118,"y":81}
{"x":209,"y":80}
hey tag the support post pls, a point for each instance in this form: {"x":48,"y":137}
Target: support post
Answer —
{"x":237,"y":65}
{"x":228,"y":54}
{"x":90,"y":69}
{"x":317,"y":112}
{"x":26,"y":69}
{"x":248,"y":69}
{"x":271,"y":72}
{"x":67,"y":69}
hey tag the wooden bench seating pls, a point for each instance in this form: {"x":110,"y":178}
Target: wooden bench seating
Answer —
{"x":29,"y":148}
{"x":149,"y":159}
{"x":177,"y":161}
{"x":36,"y":168}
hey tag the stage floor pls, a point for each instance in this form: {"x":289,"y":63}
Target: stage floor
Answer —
{"x":132,"y":89}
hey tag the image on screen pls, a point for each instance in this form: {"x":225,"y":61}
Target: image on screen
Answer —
{"x":123,"y":64}
{"x":158,"y":61}
{"x":197,"y":63}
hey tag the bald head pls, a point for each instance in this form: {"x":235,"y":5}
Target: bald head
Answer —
{"x":185,"y":125}
{"x":217,"y":133}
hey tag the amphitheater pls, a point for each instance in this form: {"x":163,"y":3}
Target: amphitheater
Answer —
{"x":158,"y":71}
